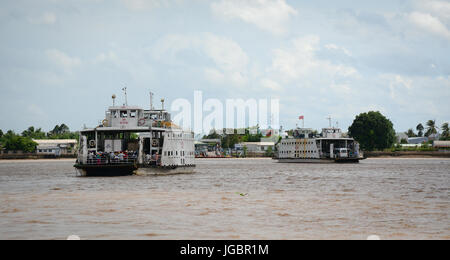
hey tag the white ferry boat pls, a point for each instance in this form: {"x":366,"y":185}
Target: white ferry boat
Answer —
{"x":131,"y":140}
{"x":305,"y":146}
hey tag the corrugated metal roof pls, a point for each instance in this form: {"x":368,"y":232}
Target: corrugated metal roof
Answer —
{"x":54,"y":141}
{"x":259,"y":143}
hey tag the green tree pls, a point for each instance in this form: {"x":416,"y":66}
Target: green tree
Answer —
{"x":432,"y":129}
{"x":373,"y":131}
{"x":410,"y":133}
{"x":34,"y":133}
{"x":59,"y":129}
{"x":62,"y":132}
{"x":419,"y":129}
{"x":269,"y":152}
{"x":445,"y":132}
{"x":1,"y":133}
{"x":14,"y":142}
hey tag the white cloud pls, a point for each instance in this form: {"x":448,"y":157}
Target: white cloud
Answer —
{"x":271,"y":85}
{"x":429,"y":23}
{"x":399,"y":86}
{"x":418,"y":94}
{"x":226,"y":53}
{"x":334,"y":47}
{"x":60,"y":58}
{"x":230,"y":60}
{"x":106,"y":57}
{"x":213,"y":75}
{"x":142,"y":5}
{"x":269,"y":15}
{"x":301,"y":60}
{"x":441,"y":9}
{"x":145,"y":5}
{"x":47,"y":18}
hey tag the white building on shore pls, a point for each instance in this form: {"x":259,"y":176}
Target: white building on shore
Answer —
{"x":56,"y":147}
{"x":257,"y":148}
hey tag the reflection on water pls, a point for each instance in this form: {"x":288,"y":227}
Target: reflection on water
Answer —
{"x":230,"y":199}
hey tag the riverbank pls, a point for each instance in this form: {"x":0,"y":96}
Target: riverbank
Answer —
{"x":407,"y":154}
{"x":37,"y":160}
{"x":35,"y":156}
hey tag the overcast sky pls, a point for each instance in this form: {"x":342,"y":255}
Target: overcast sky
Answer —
{"x":61,"y":60}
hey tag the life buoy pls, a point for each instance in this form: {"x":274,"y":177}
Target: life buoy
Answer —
{"x":92,"y":143}
{"x":141,"y":122}
{"x":105,"y":122}
{"x":155,"y":143}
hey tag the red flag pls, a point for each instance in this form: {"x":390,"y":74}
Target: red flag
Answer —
{"x":301,"y":118}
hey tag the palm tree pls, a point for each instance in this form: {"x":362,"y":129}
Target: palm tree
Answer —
{"x":419,"y":128}
{"x":432,"y":129}
{"x":445,"y":131}
{"x":410,"y":133}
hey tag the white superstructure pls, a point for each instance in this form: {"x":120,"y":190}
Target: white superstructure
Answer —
{"x":144,"y":139}
{"x":304,"y":145}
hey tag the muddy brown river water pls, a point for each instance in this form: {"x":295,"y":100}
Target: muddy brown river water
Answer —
{"x":230,"y":199}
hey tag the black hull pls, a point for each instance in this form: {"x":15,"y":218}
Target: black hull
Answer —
{"x":106,"y":170}
{"x":348,"y":160}
{"x":319,"y":160}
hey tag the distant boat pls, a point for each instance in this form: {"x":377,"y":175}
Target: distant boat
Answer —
{"x":304,"y":146}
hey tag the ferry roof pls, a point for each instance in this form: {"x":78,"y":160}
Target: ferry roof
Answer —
{"x":118,"y":129}
{"x":125,"y":107}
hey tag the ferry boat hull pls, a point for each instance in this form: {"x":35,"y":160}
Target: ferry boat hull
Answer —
{"x":167,"y":170}
{"x":105,"y":170}
{"x":318,"y":160}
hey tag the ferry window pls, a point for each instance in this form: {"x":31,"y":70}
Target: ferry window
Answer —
{"x":123,"y":114}
{"x":133,"y":113}
{"x":115,"y":114}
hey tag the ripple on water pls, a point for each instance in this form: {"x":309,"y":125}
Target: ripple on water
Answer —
{"x":392,"y":198}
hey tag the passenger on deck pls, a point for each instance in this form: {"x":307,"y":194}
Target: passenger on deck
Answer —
{"x":157,"y":159}
{"x":111,"y":157}
{"x":90,"y":157}
{"x":121,"y":156}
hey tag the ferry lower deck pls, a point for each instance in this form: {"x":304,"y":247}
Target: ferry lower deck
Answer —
{"x":319,"y":160}
{"x":106,"y":170}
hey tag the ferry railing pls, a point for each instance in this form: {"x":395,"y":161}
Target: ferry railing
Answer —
{"x":107,"y":160}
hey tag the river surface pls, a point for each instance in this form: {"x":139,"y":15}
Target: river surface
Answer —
{"x":230,"y":199}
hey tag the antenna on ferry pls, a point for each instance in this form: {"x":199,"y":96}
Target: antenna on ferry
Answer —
{"x":162,"y":103}
{"x":337,"y":124}
{"x":114,"y":100}
{"x":329,"y":119}
{"x":126,"y":99}
{"x":151,"y":100}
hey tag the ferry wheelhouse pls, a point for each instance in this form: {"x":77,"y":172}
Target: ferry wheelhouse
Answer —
{"x":131,"y":140}
{"x":304,"y":145}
